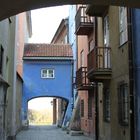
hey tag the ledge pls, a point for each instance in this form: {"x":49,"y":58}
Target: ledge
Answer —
{"x":3,"y":82}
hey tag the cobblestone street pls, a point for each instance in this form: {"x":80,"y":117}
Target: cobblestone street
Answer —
{"x":47,"y":133}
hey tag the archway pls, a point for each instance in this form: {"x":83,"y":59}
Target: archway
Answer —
{"x":46,"y":110}
{"x":56,"y":111}
{"x":40,"y":111}
{"x":9,"y":8}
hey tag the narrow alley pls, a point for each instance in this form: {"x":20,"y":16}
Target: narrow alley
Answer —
{"x":70,"y":67}
{"x":47,"y":133}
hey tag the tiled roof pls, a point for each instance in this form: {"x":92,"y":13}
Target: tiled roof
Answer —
{"x":47,"y":50}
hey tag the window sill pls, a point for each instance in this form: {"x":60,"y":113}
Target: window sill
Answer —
{"x":47,"y":78}
{"x":124,"y":124}
{"x":107,"y":121}
{"x":122,"y":45}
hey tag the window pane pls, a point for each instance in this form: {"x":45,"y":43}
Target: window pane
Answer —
{"x":82,"y":58}
{"x":90,"y":107}
{"x":123,"y":104}
{"x":123,"y":25}
{"x":47,"y":73}
{"x":91,"y":45}
{"x":106,"y":31}
{"x":50,"y":73}
{"x":82,"y":108}
{"x":106,"y":104}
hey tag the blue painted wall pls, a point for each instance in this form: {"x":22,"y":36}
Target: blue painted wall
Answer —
{"x":35,"y":86}
{"x":136,"y":45}
{"x":73,"y":42}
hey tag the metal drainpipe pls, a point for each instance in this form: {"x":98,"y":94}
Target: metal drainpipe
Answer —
{"x":96,"y":90}
{"x":72,"y":85}
{"x":131,"y":74}
{"x":97,"y":113}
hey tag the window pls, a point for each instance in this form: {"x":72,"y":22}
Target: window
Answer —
{"x":106,"y":103}
{"x":123,"y":103}
{"x":1,"y":58}
{"x":123,"y":25}
{"x":66,"y":39}
{"x":47,"y":73}
{"x":82,"y":58}
{"x":82,"y":108}
{"x":90,"y":107}
{"x":106,"y":31}
{"x":91,"y":45}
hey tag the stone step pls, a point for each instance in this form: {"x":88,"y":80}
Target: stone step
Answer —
{"x":76,"y":133}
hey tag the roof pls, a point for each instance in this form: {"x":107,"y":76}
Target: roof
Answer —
{"x":47,"y":50}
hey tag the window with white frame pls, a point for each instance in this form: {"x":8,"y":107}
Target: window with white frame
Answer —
{"x":47,"y":73}
{"x":106,"y":31}
{"x":123,"y":25}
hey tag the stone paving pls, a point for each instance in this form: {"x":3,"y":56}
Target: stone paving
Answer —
{"x":47,"y":133}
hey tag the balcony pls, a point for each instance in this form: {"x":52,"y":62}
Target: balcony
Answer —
{"x":99,"y":65}
{"x":84,"y":23}
{"x":96,"y":10}
{"x":82,"y":81}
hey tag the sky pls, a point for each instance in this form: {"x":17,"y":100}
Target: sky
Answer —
{"x":40,"y":103}
{"x":45,"y":22}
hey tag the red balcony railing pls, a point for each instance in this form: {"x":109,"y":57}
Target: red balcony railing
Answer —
{"x":82,"y":81}
{"x":99,"y":60}
{"x":84,"y":23}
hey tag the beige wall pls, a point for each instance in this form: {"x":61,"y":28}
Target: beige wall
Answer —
{"x":119,"y":60}
{"x":120,"y":72}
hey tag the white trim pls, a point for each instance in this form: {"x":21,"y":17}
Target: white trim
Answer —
{"x":47,"y":74}
{"x":47,"y":58}
{"x":123,"y":25}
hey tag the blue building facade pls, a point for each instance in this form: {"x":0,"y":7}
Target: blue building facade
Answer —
{"x":57,"y":84}
{"x":73,"y":42}
{"x":136,"y":58}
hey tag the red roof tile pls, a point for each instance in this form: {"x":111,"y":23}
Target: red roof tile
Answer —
{"x":48,"y":50}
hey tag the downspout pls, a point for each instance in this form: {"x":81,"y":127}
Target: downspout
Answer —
{"x":95,"y":29}
{"x":131,"y":74}
{"x":73,"y":84}
{"x":96,"y":90}
{"x":13,"y":131}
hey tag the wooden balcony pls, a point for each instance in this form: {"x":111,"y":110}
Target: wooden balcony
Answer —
{"x":82,"y":81}
{"x":99,"y":64}
{"x":96,"y":10}
{"x":83,"y":22}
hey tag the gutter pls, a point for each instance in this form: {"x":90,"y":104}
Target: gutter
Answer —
{"x":46,"y":58}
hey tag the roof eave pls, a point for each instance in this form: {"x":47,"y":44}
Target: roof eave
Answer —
{"x":46,"y":58}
